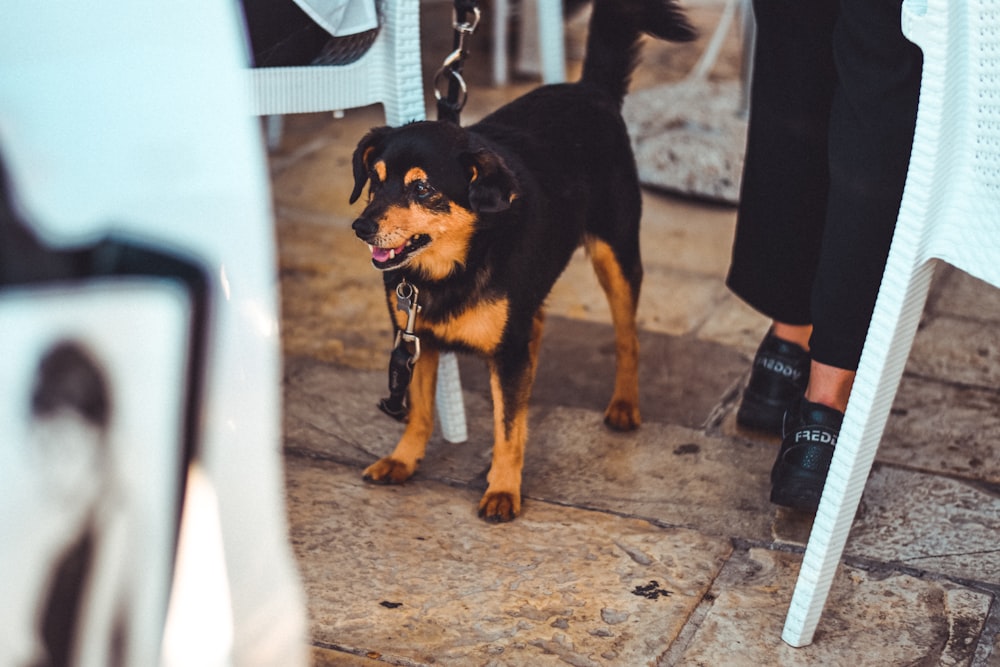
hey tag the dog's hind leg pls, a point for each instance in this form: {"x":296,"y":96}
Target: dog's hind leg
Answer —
{"x":622,"y":290}
{"x":511,"y":378}
{"x":401,"y":464}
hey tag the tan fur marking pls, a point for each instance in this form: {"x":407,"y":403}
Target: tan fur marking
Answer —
{"x":502,"y":500}
{"x":623,"y":410}
{"x":379,"y":169}
{"x":480,"y":327}
{"x":401,"y":464}
{"x":415,"y":174}
{"x":450,"y":233}
{"x":450,"y":243}
{"x":367,"y":154}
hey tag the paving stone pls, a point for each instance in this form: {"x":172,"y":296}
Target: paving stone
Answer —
{"x":956,"y":293}
{"x":671,"y":301}
{"x":988,"y":652}
{"x":331,"y":412}
{"x":929,"y":522}
{"x":734,"y":324}
{"x":695,"y":240}
{"x":329,"y":658}
{"x":921,"y":522}
{"x":688,"y":137}
{"x":411,"y":574}
{"x":871,"y":618}
{"x":942,"y":428}
{"x":332,"y":300}
{"x":993,"y":657}
{"x":677,"y":303}
{"x":957,"y":350}
{"x":681,"y":380}
{"x":671,"y":474}
{"x":667,"y":473}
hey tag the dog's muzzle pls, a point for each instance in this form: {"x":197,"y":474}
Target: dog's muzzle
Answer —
{"x":365,"y":228}
{"x":387,"y":258}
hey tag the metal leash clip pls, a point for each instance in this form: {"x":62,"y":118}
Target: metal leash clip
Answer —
{"x":451,"y":70}
{"x":406,"y":301}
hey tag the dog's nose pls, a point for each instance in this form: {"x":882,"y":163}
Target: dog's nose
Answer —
{"x":364,"y":227}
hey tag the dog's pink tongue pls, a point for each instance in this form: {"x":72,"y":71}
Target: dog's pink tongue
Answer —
{"x":383,"y":254}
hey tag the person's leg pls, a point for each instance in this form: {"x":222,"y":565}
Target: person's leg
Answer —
{"x":783,"y":199}
{"x":871,"y":134}
{"x":782,"y":205}
{"x":793,"y":333}
{"x":829,"y":385}
{"x":871,"y":129}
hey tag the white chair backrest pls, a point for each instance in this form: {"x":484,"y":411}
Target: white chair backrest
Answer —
{"x":952,"y":193}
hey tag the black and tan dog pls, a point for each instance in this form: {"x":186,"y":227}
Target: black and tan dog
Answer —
{"x":483,"y":220}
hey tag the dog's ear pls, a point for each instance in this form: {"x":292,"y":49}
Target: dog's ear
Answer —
{"x":365,"y":155}
{"x":492,"y":185}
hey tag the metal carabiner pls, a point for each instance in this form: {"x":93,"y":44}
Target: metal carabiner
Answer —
{"x":459,"y":104}
{"x":466,"y":28}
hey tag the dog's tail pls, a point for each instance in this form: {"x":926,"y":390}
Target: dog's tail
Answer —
{"x":616,"y":28}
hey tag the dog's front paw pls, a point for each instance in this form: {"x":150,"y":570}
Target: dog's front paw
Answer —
{"x":622,"y":416}
{"x":499,"y":507}
{"x":387,"y":471}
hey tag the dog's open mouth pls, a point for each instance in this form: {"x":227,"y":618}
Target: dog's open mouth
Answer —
{"x":385,"y":259}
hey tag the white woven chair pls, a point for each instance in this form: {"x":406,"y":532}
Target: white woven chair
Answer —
{"x":388,"y":74}
{"x":950,"y":212}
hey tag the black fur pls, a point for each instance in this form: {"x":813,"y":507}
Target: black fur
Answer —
{"x":533,"y":180}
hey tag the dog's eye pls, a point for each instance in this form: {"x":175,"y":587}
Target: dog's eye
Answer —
{"x":422,"y":189}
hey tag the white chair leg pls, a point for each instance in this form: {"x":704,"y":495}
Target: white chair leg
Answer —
{"x":894,"y":324}
{"x":541,"y":46}
{"x":551,"y":40}
{"x":274,"y":126}
{"x":501,"y":22}
{"x":448,"y":399}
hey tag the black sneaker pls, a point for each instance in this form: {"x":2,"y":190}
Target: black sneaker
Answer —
{"x":778,"y":379}
{"x":799,"y":473}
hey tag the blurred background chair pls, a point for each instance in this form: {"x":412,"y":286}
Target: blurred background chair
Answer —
{"x":950,"y":212}
{"x":541,"y":42}
{"x":388,"y":74}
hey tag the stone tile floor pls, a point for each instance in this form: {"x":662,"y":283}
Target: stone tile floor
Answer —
{"x":652,"y":548}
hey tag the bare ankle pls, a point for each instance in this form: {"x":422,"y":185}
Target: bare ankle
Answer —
{"x":793,"y":333}
{"x":829,"y":386}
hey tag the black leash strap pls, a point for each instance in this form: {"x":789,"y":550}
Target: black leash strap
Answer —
{"x":402,"y":360}
{"x":465,"y":20}
{"x":400,"y":372}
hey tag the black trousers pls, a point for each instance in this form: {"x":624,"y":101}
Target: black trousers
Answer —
{"x":281,"y":34}
{"x":832,"y":112}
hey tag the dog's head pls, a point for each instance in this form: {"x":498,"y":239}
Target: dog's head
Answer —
{"x":430,"y":185}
